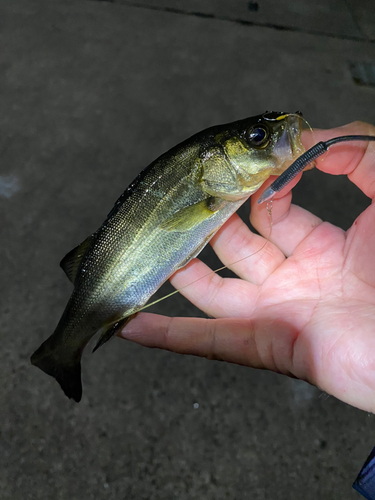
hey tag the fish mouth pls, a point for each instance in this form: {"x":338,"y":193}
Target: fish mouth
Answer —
{"x":294,"y":128}
{"x":289,"y":145}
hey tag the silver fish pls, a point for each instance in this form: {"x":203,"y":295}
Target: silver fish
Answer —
{"x":162,"y":220}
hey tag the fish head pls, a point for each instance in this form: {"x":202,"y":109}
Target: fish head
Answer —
{"x":261,"y":146}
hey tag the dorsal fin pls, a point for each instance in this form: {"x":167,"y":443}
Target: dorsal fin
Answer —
{"x":72,"y":260}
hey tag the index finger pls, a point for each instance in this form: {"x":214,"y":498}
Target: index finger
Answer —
{"x":355,"y":159}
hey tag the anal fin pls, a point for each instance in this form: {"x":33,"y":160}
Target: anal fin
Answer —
{"x":111,"y":331}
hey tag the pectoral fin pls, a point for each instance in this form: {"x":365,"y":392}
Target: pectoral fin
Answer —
{"x":189,"y":217}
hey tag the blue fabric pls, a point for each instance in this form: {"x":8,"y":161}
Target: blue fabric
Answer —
{"x":365,"y":482}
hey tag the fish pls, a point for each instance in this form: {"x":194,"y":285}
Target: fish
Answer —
{"x":161,"y":221}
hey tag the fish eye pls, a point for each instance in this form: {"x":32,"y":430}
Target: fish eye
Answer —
{"x":258,"y":136}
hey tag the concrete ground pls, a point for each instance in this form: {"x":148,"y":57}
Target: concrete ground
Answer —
{"x":91,"y":92}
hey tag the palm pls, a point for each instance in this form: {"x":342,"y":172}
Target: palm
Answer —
{"x":304,"y":305}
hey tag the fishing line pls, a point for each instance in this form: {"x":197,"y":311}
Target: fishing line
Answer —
{"x":269,"y":210}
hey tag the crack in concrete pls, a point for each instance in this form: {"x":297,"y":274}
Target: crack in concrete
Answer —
{"x":277,"y":27}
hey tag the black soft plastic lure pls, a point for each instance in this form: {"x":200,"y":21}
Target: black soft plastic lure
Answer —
{"x":305,"y":159}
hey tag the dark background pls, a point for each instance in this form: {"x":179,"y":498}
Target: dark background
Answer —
{"x":90,"y":93}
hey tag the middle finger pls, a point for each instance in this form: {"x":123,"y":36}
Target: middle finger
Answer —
{"x":252,"y":257}
{"x":291,"y":224}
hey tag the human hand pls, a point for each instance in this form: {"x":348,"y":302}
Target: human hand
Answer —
{"x":303,"y":306}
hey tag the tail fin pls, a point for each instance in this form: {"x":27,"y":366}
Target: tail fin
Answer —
{"x":66,"y":372}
